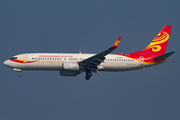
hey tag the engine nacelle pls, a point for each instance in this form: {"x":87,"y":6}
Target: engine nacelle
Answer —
{"x":68,"y":73}
{"x":70,"y":66}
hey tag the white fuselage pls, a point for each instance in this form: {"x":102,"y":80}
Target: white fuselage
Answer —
{"x":54,"y":61}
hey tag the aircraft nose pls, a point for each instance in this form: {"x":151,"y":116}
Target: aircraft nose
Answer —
{"x":6,"y":63}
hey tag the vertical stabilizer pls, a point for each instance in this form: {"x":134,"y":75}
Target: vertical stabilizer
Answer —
{"x":159,"y":44}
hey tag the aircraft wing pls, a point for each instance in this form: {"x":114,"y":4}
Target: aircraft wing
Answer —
{"x":98,"y":58}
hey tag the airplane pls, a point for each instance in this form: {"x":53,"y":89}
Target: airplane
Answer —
{"x":71,"y":64}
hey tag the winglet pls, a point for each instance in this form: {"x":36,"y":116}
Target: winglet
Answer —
{"x":116,"y":43}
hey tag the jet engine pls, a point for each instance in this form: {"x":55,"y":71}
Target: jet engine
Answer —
{"x":70,"y":69}
{"x":70,"y":66}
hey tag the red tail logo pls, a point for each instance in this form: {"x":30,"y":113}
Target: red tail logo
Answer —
{"x":158,"y":46}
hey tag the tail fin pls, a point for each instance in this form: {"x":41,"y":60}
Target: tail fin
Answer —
{"x":159,"y":44}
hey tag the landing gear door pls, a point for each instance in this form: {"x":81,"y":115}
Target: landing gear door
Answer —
{"x":25,"y":58}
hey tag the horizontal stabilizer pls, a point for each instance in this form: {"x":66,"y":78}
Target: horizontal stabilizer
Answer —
{"x":164,"y":56}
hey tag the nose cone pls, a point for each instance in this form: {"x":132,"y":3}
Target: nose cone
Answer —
{"x":6,"y":63}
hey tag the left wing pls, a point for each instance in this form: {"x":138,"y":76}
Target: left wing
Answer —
{"x":95,"y":60}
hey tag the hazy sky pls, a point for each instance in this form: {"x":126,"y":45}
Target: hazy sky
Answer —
{"x":65,"y":26}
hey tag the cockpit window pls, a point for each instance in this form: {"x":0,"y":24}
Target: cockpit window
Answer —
{"x":13,"y":58}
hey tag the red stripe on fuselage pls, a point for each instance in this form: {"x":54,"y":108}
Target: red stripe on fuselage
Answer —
{"x":21,"y":61}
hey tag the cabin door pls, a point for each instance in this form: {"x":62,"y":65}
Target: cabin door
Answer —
{"x":141,"y":60}
{"x":25,"y":58}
